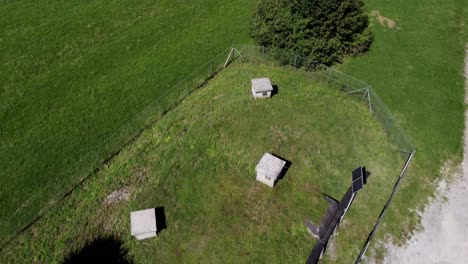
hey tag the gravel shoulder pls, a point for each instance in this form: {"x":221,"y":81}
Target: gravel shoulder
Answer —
{"x":444,"y":237}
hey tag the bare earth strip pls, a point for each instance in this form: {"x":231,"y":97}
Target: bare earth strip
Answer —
{"x":445,"y":221}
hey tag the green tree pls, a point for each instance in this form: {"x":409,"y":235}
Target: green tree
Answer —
{"x":324,"y":31}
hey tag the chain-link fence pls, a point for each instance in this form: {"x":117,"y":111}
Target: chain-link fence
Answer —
{"x":335,"y":79}
{"x":348,"y":85}
{"x":24,"y":211}
{"x":33,"y":207}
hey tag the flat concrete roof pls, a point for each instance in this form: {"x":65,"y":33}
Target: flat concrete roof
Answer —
{"x":261,"y":85}
{"x":143,"y":223}
{"x":270,"y":165}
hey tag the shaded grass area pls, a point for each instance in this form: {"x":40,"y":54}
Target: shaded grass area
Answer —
{"x":417,"y":69}
{"x":102,"y":250}
{"x":72,"y":73}
{"x":198,"y":163}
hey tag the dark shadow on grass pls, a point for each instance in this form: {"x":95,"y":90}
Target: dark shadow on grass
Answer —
{"x":102,"y":250}
{"x":275,"y":90}
{"x":284,"y":170}
{"x":366,"y":175}
{"x":160,"y":219}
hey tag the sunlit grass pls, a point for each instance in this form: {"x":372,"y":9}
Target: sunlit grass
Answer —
{"x":198,"y":162}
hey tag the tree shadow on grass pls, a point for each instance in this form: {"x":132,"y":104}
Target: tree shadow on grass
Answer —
{"x":102,"y":250}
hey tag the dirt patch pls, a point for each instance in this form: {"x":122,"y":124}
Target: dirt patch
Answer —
{"x":384,"y":21}
{"x":217,"y":97}
{"x":117,"y":196}
{"x":256,"y":208}
{"x":331,"y":250}
{"x":277,"y":132}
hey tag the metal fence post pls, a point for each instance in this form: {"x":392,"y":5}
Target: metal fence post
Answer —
{"x":369,"y":99}
{"x":329,"y":79}
{"x":388,"y":123}
{"x":384,"y":210}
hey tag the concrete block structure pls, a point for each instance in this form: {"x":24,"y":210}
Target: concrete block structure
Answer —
{"x":269,"y":169}
{"x":261,"y":88}
{"x":143,"y":223}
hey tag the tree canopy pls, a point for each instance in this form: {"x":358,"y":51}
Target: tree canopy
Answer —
{"x":324,"y":31}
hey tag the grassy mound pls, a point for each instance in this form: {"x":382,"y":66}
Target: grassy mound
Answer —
{"x":198,"y":163}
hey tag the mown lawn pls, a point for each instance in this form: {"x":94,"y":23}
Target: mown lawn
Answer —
{"x":198,"y":163}
{"x":417,"y":70}
{"x":73,"y":73}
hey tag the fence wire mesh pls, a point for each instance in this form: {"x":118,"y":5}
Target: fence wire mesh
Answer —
{"x":334,"y":79}
{"x":24,"y":211}
{"x":350,"y":86}
{"x":31,"y":208}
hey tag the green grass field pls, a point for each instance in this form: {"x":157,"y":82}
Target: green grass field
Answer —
{"x":198,"y":162}
{"x":417,"y":70}
{"x":73,"y":73}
